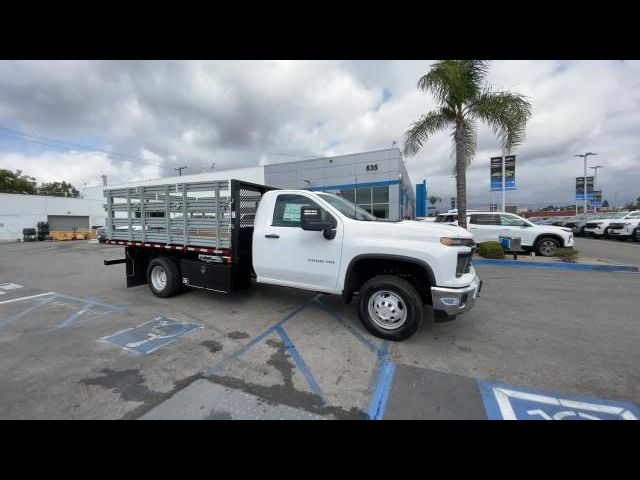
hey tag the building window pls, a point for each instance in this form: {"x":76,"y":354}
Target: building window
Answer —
{"x":374,"y":200}
{"x":349,"y":194}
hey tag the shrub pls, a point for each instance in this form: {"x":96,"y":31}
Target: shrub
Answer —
{"x":567,"y":254}
{"x":491,"y":250}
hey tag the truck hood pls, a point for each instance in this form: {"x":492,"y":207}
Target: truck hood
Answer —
{"x":432,"y":229}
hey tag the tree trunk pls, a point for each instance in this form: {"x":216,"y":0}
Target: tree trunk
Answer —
{"x":461,"y":175}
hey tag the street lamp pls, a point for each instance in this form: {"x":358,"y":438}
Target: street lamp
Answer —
{"x":595,"y":178}
{"x":584,"y":155}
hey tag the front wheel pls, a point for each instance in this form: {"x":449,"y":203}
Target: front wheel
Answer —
{"x":636,"y":235}
{"x":390,"y":307}
{"x":547,"y":247}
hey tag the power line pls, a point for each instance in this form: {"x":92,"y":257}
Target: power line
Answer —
{"x":179,"y":169}
{"x":28,"y":137}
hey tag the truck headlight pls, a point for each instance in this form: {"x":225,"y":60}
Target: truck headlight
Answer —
{"x":457,"y":242}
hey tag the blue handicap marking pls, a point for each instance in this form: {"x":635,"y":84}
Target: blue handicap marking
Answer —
{"x":152,"y":335}
{"x":508,"y":402}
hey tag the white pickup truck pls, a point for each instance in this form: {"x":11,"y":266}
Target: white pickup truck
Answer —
{"x":218,"y":235}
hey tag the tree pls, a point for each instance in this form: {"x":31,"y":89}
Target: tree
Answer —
{"x":464,"y":99}
{"x":605,"y":204}
{"x":433,"y":199}
{"x":59,"y":189}
{"x":11,"y":182}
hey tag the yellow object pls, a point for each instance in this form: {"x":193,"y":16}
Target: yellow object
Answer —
{"x":78,"y":234}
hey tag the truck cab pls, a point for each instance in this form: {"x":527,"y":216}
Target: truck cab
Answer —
{"x":325,"y":243}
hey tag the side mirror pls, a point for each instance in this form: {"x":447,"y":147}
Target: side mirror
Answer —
{"x":311,"y":219}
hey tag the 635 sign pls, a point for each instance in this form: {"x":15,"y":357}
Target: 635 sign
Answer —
{"x":372,"y":168}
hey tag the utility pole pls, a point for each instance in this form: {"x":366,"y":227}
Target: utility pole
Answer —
{"x":595,"y":180}
{"x":504,"y":184}
{"x":584,"y":156}
{"x":179,"y":169}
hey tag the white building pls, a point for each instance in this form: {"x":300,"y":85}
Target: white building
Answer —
{"x":19,"y":211}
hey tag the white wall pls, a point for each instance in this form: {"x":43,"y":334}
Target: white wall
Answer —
{"x":25,"y":211}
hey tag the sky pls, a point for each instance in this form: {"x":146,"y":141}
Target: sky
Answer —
{"x":134,"y":120}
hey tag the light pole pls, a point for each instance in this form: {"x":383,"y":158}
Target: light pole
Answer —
{"x":584,"y":155}
{"x":595,"y":178}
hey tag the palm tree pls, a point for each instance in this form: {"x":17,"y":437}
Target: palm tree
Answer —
{"x":433,"y":199}
{"x":464,"y":99}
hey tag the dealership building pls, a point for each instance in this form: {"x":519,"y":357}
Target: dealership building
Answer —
{"x":376,"y":181}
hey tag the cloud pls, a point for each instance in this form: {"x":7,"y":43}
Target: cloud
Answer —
{"x":240,"y":113}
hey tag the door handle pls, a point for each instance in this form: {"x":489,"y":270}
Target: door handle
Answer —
{"x":272,"y":235}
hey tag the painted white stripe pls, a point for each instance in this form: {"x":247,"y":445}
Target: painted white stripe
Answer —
{"x":26,"y":298}
{"x":504,"y":404}
{"x":502,"y":397}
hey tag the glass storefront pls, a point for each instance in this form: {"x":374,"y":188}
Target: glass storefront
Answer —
{"x":374,"y":200}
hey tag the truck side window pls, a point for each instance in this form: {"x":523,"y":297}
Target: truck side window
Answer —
{"x":287,"y":210}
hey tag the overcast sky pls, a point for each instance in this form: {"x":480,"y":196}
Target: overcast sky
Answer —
{"x":242,"y":113}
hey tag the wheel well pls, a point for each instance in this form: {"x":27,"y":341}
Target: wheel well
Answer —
{"x":363,"y":269}
{"x":548,"y":235}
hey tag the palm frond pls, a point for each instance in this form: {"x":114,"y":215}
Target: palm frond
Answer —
{"x":455,"y":82}
{"x":425,"y":128}
{"x":506,"y":113}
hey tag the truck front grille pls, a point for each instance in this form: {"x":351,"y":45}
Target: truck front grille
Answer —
{"x":616,"y":226}
{"x":591,"y":225}
{"x":464,"y":264}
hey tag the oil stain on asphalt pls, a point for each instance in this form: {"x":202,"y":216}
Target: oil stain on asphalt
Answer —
{"x":129,"y":384}
{"x":286,"y":393}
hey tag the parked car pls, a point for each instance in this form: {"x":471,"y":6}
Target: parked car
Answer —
{"x":626,"y":229}
{"x":598,"y":228}
{"x":101,"y":234}
{"x":578,"y":222}
{"x":486,"y":226}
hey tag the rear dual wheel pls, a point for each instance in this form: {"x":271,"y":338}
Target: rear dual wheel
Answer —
{"x":163,"y":275}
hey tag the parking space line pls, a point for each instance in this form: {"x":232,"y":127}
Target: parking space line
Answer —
{"x":26,"y":298}
{"x":17,"y":316}
{"x":300,"y":362}
{"x":227,"y":360}
{"x":351,"y":330}
{"x":381,"y":394}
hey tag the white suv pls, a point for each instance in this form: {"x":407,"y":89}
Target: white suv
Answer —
{"x":625,"y":229}
{"x":486,"y":226}
{"x":601,"y":227}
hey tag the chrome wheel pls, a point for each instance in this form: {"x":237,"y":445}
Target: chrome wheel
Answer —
{"x":387,"y":310}
{"x":548,"y":248}
{"x":159,"y":278}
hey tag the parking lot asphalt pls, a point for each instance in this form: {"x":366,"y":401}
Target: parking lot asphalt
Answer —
{"x":271,"y":352}
{"x":617,"y":251}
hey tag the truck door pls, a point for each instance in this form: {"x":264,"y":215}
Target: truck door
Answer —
{"x":294,"y":257}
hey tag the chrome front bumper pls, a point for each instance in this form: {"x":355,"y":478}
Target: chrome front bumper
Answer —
{"x":453,"y":301}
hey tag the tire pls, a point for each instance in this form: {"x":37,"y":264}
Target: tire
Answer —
{"x":547,"y":246}
{"x":164,"y":268}
{"x":581,"y":233}
{"x":636,"y":235}
{"x":396,"y":298}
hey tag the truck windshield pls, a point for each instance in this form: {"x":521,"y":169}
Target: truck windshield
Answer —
{"x":348,"y":209}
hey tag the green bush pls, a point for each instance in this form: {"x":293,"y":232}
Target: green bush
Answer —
{"x":491,"y":250}
{"x":567,"y":254}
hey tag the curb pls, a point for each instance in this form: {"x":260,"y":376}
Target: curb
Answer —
{"x":559,"y":265}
